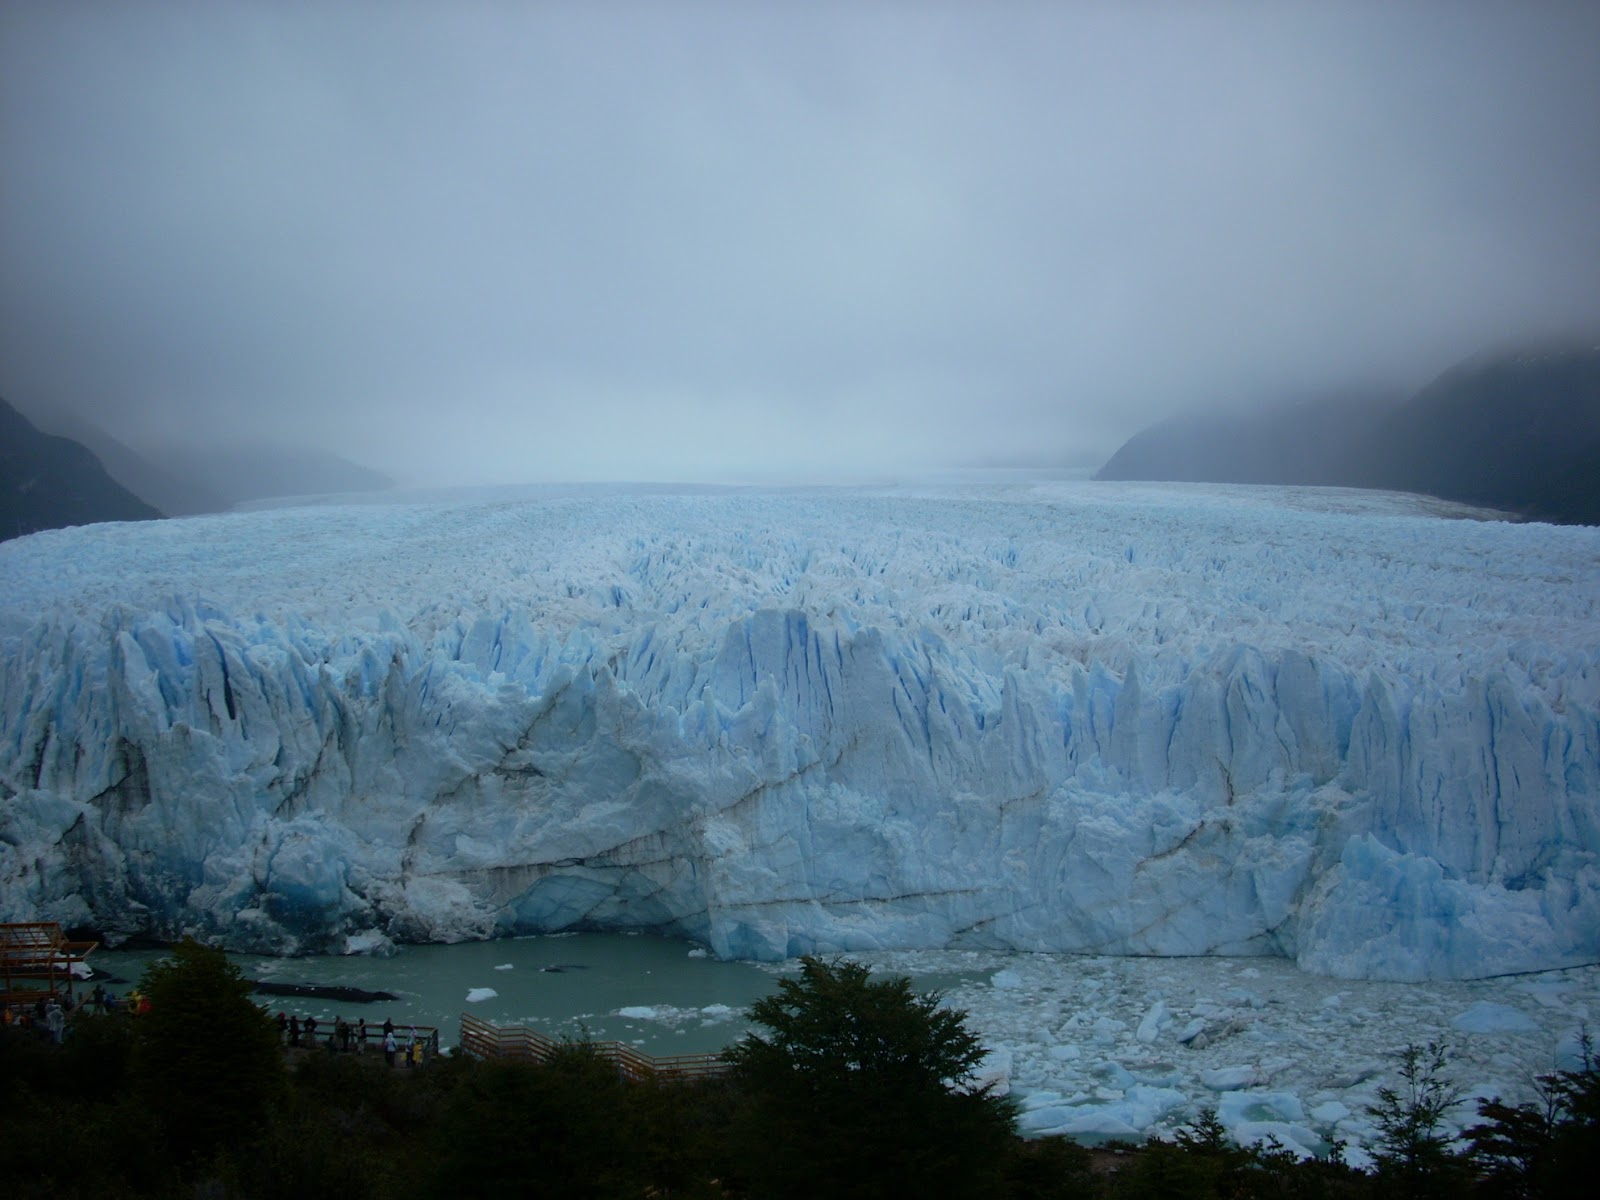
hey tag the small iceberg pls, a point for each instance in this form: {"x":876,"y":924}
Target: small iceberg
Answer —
{"x":478,"y":995}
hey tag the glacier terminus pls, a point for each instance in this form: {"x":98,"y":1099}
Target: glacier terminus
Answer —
{"x":994,"y":711}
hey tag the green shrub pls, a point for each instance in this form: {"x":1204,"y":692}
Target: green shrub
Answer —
{"x":206,"y":1060}
{"x":856,"y":1090}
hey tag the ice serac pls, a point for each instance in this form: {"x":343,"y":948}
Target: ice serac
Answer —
{"x":1052,"y":716}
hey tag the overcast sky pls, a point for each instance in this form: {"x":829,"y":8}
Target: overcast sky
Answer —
{"x":667,"y":239}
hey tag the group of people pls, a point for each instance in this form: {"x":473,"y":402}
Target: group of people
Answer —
{"x":341,"y":1037}
{"x":102,"y":1001}
{"x":47,"y":1015}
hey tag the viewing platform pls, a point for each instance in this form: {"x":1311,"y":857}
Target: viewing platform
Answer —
{"x":36,"y":959}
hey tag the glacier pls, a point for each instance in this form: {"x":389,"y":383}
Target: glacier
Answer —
{"x":1003,"y":711}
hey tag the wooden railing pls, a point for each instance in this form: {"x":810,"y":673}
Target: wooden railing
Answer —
{"x":428,"y":1035}
{"x":480,"y":1039}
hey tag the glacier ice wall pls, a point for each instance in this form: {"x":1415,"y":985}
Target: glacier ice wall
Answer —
{"x":1120,"y":719}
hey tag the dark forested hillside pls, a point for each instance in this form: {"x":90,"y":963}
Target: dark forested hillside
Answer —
{"x":50,"y":482}
{"x":1518,"y":432}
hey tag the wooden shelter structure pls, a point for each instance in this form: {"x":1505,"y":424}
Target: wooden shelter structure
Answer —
{"x":36,"y":958}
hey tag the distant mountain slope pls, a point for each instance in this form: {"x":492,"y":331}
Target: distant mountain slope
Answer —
{"x":184,"y":480}
{"x":236,"y":474}
{"x":1519,"y":432}
{"x":1310,"y":443}
{"x":174,"y":495}
{"x":49,"y":482}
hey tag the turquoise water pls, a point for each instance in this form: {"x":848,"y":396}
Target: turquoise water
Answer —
{"x":656,"y":994}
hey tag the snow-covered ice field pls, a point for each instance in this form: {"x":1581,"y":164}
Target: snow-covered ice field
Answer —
{"x":986,"y":713}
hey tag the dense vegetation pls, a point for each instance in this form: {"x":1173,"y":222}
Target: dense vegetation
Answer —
{"x":853,"y":1089}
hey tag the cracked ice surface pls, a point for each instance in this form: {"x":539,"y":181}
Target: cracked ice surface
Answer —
{"x":996,"y":713}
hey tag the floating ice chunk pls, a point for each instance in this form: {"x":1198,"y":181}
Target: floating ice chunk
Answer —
{"x":699,"y":952}
{"x":504,"y":967}
{"x":1485,"y":1016}
{"x":1192,"y":1030}
{"x":1103,"y":1122}
{"x":369,"y":941}
{"x":1295,"y":1138}
{"x":1006,"y":979}
{"x":1150,"y":1026}
{"x":1125,"y":1116}
{"x":1330,"y":1112}
{"x":1230,"y":1079}
{"x":1115,"y":1075}
{"x":1107,"y":1030}
{"x":1355,"y":1073}
{"x":640,"y":1012}
{"x":479,"y":995}
{"x":993,"y":1071}
{"x":1239,"y":1107}
{"x":717,"y":1011}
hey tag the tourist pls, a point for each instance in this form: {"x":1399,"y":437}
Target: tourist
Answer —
{"x":55,"y":1020}
{"x":389,"y":1046}
{"x":361,"y":1036}
{"x":283,"y":1027}
{"x":294,"y":1030}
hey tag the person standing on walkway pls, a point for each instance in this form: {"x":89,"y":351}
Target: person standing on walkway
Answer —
{"x":361,"y":1036}
{"x":54,"y":1020}
{"x":389,"y":1047}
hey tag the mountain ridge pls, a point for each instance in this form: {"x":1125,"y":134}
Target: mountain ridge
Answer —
{"x":50,"y":482}
{"x":1517,"y":431}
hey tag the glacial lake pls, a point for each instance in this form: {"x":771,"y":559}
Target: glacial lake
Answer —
{"x":662,"y":996}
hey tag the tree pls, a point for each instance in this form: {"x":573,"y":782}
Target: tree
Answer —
{"x":863,"y":1088}
{"x":1550,"y":1147}
{"x":1412,"y":1150}
{"x":206,"y":1060}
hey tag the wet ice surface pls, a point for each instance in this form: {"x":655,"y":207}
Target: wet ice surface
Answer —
{"x":1096,"y":1044}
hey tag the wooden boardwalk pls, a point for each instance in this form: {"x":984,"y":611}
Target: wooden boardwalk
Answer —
{"x":481,"y":1039}
{"x":36,"y":959}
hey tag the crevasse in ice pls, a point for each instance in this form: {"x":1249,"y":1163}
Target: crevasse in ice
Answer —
{"x":1124,"y":719}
